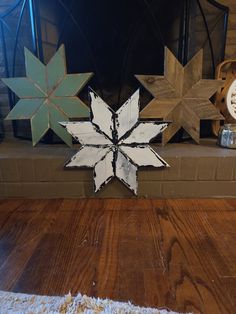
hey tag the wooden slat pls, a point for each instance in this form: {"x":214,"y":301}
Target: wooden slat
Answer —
{"x":163,"y":253}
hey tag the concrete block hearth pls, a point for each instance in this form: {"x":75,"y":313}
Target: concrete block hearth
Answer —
{"x":200,"y":171}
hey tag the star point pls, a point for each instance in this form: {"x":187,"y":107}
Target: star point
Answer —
{"x":115,"y":144}
{"x":48,"y":95}
{"x":181,"y":96}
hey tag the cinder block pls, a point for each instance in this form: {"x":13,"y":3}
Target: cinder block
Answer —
{"x":150,"y":174}
{"x":43,"y":169}
{"x":9,"y":170}
{"x":61,"y":173}
{"x":45,"y":190}
{"x":26,"y":170}
{"x":114,"y":189}
{"x":14,"y":190}
{"x":235,"y":170}
{"x":188,"y":168}
{"x":1,"y":177}
{"x":2,"y":190}
{"x":201,"y":189}
{"x":173,"y":172}
{"x":150,"y":189}
{"x":207,"y":168}
{"x":225,"y":168}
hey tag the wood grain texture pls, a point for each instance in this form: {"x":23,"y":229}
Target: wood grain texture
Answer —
{"x":181,"y":96}
{"x":231,"y":32}
{"x":165,"y":253}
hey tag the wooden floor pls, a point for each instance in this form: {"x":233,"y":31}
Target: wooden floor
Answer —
{"x":179,"y":254}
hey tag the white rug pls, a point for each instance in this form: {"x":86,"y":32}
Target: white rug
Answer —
{"x":16,"y":303}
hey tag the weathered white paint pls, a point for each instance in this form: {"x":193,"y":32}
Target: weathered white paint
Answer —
{"x":103,"y":171}
{"x":231,"y":99}
{"x":88,"y":156}
{"x":143,"y":156}
{"x":86,"y":133}
{"x":126,"y":172}
{"x":144,"y":133}
{"x":127,"y":115}
{"x":98,"y":138}
{"x":102,"y":115}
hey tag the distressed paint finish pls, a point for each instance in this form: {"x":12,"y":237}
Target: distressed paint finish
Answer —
{"x":104,"y":170}
{"x":115,"y":143}
{"x":126,"y":171}
{"x":143,"y":156}
{"x":87,"y":133}
{"x":127,"y":115}
{"x":181,"y":96}
{"x":88,"y":156}
{"x":102,"y":116}
{"x":144,"y":133}
{"x":48,"y":95}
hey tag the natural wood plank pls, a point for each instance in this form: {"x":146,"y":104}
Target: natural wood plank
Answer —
{"x":20,"y":236}
{"x":201,"y":204}
{"x":181,"y":96}
{"x":166,"y":253}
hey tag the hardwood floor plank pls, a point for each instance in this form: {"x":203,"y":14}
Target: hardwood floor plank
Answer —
{"x":107,"y":275}
{"x":229,"y":285}
{"x":67,"y":254}
{"x":19,"y":238}
{"x":202,"y":252}
{"x":7,"y":207}
{"x":201,"y":204}
{"x":232,"y":202}
{"x":169,"y":253}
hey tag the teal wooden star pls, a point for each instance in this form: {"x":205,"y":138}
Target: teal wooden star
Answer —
{"x":48,"y":95}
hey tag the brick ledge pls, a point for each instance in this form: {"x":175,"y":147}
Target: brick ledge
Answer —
{"x":196,"y":171}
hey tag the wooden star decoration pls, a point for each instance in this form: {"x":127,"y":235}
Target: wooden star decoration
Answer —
{"x":115,"y":144}
{"x":181,"y":96}
{"x":48,"y":95}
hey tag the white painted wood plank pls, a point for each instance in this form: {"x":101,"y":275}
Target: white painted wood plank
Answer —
{"x":102,"y":115}
{"x":103,"y":171}
{"x":143,"y":155}
{"x":86,"y":133}
{"x":126,"y":172}
{"x":87,"y":156}
{"x":127,"y":115}
{"x":145,"y":132}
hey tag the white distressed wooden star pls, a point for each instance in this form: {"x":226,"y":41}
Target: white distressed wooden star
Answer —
{"x":115,"y":144}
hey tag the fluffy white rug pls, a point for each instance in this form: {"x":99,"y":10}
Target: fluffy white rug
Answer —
{"x":17,"y":303}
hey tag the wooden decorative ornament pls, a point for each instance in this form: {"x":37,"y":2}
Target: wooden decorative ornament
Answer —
{"x":48,"y":95}
{"x":181,"y":96}
{"x":225,"y":96}
{"x":115,"y":144}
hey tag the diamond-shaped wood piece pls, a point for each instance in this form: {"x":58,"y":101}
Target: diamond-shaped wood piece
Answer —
{"x":48,"y":95}
{"x":181,"y":96}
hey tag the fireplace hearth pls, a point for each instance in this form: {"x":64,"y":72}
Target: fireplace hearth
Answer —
{"x":113,"y":39}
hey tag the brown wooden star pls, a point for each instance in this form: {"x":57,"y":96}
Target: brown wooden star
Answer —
{"x":181,"y":96}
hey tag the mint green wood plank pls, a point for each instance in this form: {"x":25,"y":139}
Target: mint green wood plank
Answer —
{"x":72,"y":107}
{"x":35,"y":70}
{"x":56,"y":68}
{"x":23,"y":87}
{"x":35,"y":90}
{"x":24,"y":109}
{"x":55,"y":118}
{"x":72,"y":84}
{"x":40,"y":124}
